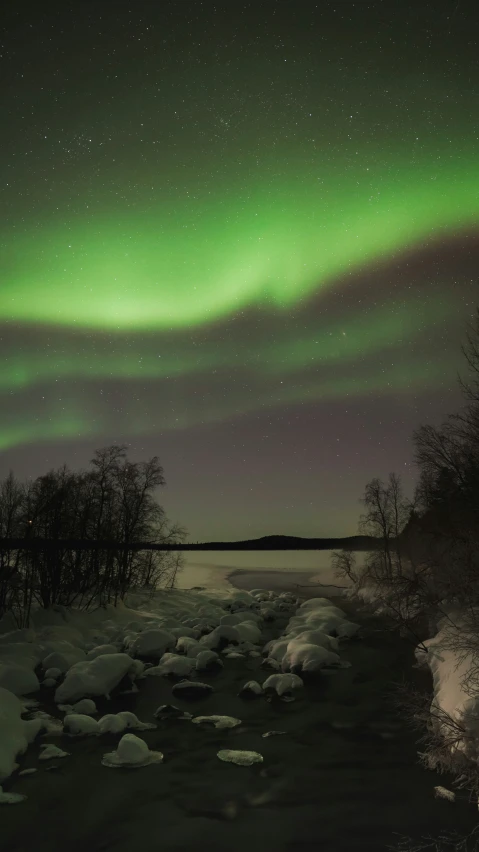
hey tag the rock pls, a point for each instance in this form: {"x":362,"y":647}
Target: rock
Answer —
{"x":241,"y":758}
{"x":170,"y":711}
{"x":272,"y":733}
{"x":192,"y":690}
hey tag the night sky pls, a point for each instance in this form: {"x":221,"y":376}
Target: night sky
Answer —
{"x":242,"y":236}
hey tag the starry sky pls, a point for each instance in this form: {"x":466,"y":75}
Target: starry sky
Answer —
{"x":241,"y":236}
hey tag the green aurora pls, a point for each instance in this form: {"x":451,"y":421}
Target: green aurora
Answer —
{"x":175,"y":268}
{"x":133,"y":266}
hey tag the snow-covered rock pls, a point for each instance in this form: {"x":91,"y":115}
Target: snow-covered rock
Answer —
{"x":221,"y":636}
{"x":251,"y":689}
{"x":180,"y":632}
{"x":132,"y":752}
{"x":151,"y":643}
{"x":269,"y":663}
{"x":268,"y":613}
{"x":347,"y":629}
{"x":262,"y":595}
{"x":189,"y":646}
{"x":51,"y":752}
{"x":175,"y":665}
{"x":315,"y":637}
{"x":116,"y":723}
{"x":283,"y":684}
{"x":76,"y":724}
{"x":219,"y":722}
{"x":86,"y":706}
{"x":314,"y":604}
{"x":305,"y":657}
{"x":444,"y":793}
{"x":99,"y":650}
{"x":15,"y":733}
{"x":59,"y":634}
{"x":53,"y":674}
{"x":241,"y":758}
{"x":232,"y":618}
{"x":248,"y":631}
{"x":26,"y":654}
{"x":276,"y":649}
{"x":50,"y":724}
{"x":191,"y":690}
{"x":17,"y":679}
{"x":208,"y":661}
{"x":61,"y":655}
{"x":93,"y":677}
{"x":24,"y":635}
{"x":11,"y":798}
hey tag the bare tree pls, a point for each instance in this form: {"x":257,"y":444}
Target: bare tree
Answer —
{"x":387,"y":512}
{"x":114,"y":501}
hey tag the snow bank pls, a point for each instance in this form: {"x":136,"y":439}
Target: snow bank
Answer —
{"x":15,"y":733}
{"x":449,"y":670}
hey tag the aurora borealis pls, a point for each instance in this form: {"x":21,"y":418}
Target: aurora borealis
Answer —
{"x":244,"y":238}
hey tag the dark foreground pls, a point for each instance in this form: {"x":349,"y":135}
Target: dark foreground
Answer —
{"x":332,"y":782}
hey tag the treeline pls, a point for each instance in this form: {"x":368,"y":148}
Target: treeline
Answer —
{"x":113,"y":501}
{"x":429,"y":554}
{"x":427,"y":569}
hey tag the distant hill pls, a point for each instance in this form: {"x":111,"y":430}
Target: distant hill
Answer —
{"x":289,"y":542}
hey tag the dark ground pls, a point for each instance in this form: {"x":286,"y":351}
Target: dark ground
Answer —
{"x":319,"y":788}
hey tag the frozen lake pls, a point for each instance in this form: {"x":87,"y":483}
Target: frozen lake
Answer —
{"x":211,"y":568}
